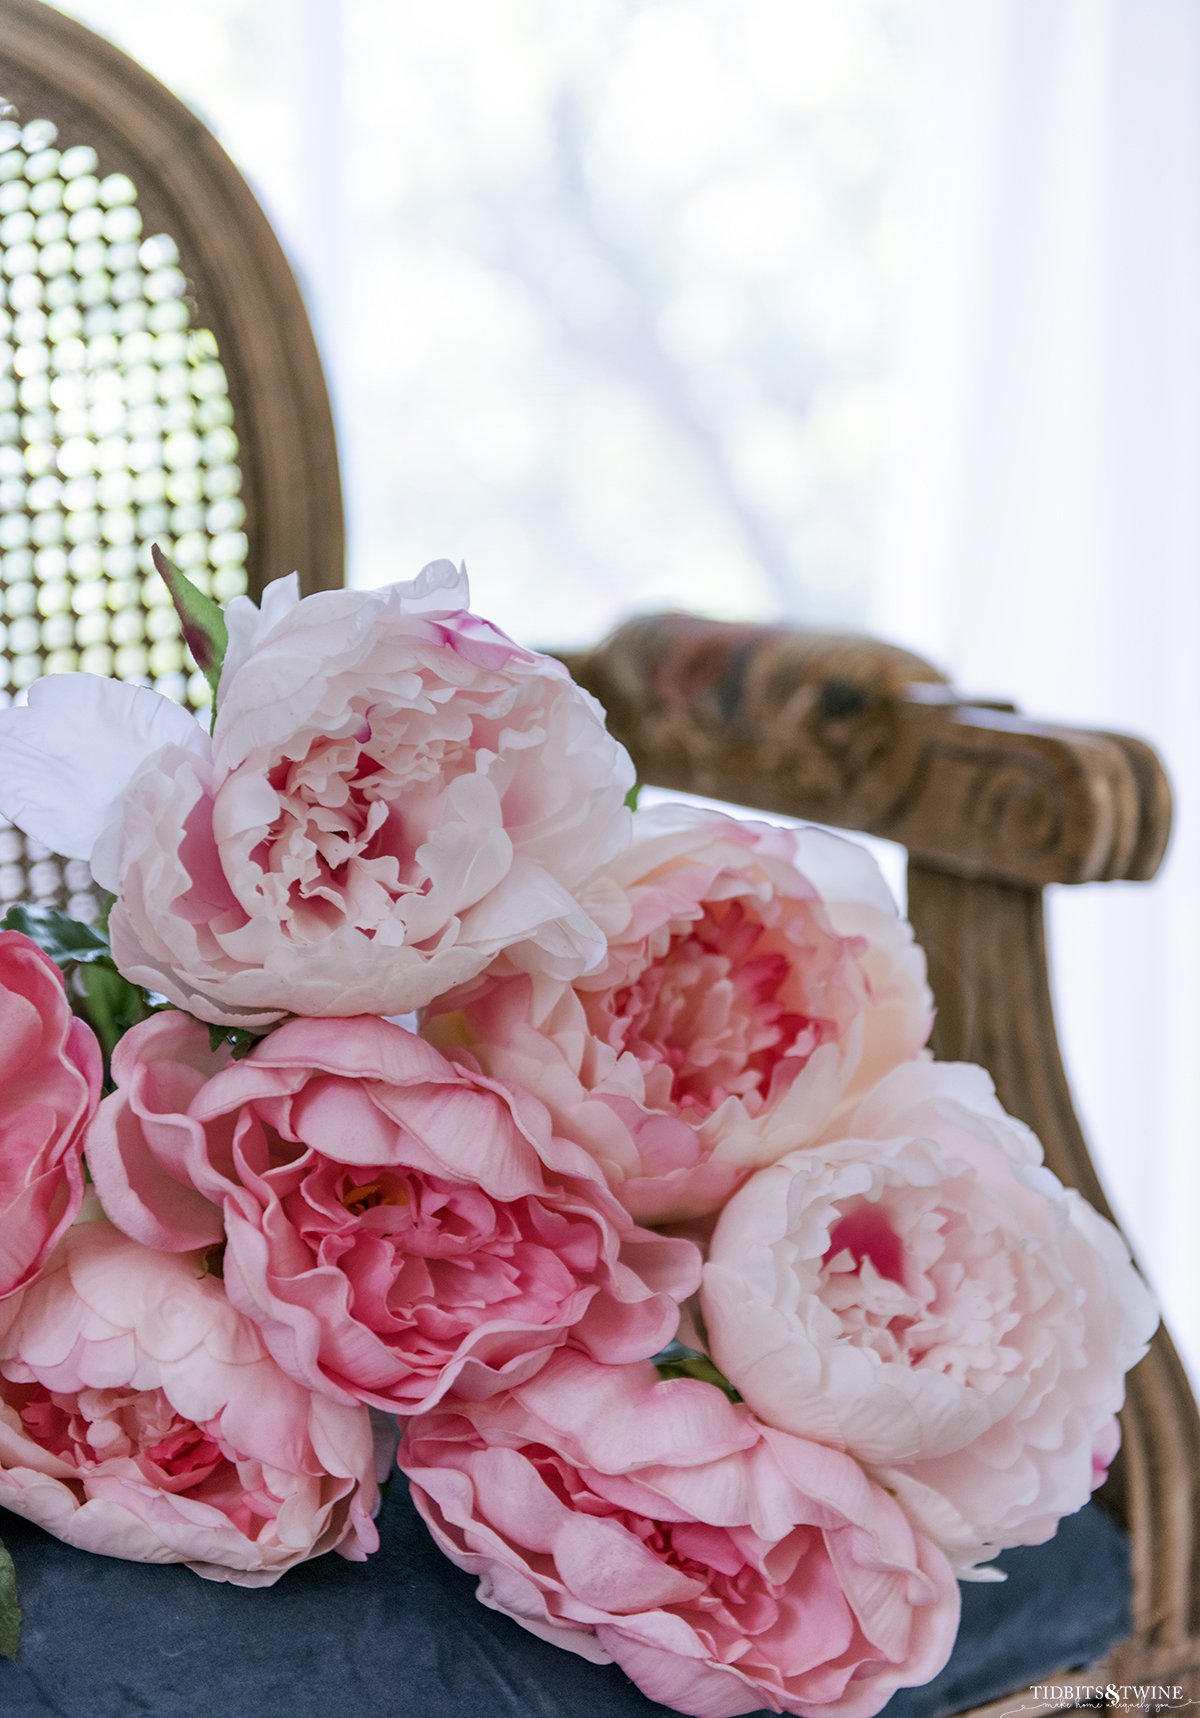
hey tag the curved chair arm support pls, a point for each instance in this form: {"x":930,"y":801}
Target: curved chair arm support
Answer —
{"x":988,"y":966}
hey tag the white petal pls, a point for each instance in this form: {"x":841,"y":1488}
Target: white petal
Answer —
{"x":439,"y":588}
{"x":67,"y":757}
{"x":248,"y":622}
{"x":843,"y":871}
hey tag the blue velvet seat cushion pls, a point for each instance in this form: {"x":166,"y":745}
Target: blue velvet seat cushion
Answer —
{"x":403,"y":1635}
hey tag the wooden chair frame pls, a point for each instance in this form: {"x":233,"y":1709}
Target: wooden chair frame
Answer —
{"x":991,"y":808}
{"x":54,"y":68}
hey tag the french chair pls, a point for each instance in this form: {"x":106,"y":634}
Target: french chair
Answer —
{"x":159,"y":381}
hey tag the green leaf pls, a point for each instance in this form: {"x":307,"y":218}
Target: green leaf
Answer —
{"x":240,"y":1041}
{"x":68,"y":942}
{"x":110,"y":1004}
{"x":634,"y":794}
{"x":10,"y":1609}
{"x":203,"y":624}
{"x":678,"y":1361}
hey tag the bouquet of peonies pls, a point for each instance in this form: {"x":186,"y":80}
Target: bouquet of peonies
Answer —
{"x":430,"y":1088}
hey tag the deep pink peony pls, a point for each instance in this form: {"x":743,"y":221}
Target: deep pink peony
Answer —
{"x":395,"y":795}
{"x":922,"y":1292}
{"x":398,"y":1225}
{"x":50,"y":1075}
{"x":726,"y":1567}
{"x":141,"y":1417}
{"x":758,"y":981}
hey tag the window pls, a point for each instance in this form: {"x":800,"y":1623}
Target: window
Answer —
{"x":602,"y":289}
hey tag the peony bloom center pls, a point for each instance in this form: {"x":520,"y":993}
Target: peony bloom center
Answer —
{"x":428,"y":1259}
{"x":338,"y":847}
{"x":731,"y":1596}
{"x":914,"y":1278}
{"x":718,"y":1011}
{"x":92,"y":1429}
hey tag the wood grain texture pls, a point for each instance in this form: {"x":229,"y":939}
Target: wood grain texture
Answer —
{"x":867,"y":737}
{"x":991,"y":807}
{"x":53,"y":68}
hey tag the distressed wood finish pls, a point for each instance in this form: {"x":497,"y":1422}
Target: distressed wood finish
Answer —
{"x":862,"y":735}
{"x":244,"y":290}
{"x":991,"y":808}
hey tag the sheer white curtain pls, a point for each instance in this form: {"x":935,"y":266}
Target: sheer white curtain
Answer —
{"x":1044,"y":534}
{"x":601,"y":286}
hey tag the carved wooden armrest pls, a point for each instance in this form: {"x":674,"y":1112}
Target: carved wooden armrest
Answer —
{"x":847,"y":731}
{"x":991,"y":807}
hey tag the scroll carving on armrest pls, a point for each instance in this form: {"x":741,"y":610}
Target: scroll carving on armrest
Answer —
{"x":843,"y":730}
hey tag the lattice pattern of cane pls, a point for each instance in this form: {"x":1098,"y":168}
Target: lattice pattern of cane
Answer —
{"x":116,"y":431}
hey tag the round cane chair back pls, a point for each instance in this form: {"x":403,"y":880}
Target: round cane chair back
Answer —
{"x":159,"y":382}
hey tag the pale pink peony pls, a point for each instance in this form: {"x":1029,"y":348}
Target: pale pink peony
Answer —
{"x":50,"y":1074}
{"x":922,"y":1292}
{"x":726,"y":1567}
{"x":758,"y":981}
{"x":141,"y":1417}
{"x":398,"y":1225}
{"x":395,"y":795}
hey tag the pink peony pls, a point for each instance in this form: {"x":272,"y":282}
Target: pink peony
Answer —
{"x":50,"y":1074}
{"x":398,"y":1225}
{"x":726,"y":1567}
{"x":141,"y":1417}
{"x":758,"y":981}
{"x":394,"y":796}
{"x":921,"y":1292}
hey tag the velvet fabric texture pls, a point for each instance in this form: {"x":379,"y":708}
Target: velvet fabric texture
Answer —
{"x":403,"y":1637}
